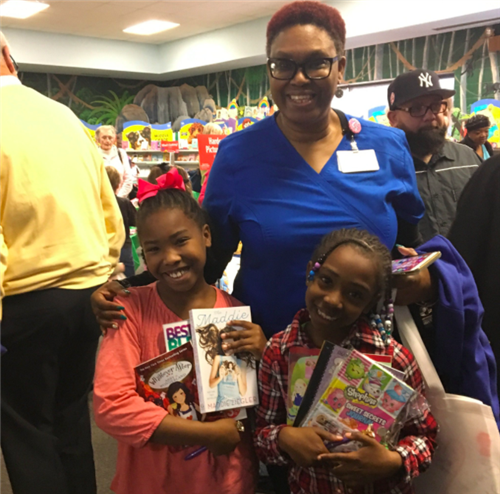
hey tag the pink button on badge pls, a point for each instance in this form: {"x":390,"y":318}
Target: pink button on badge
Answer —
{"x":355,"y":126}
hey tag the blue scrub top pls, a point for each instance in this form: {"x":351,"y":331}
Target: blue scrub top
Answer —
{"x":262,"y":192}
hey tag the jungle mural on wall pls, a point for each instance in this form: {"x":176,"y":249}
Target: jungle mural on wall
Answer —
{"x":112,"y":101}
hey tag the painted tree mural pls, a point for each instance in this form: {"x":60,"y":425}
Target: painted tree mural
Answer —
{"x":465,"y":53}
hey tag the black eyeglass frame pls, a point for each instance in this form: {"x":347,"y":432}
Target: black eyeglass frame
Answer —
{"x":302,"y":66}
{"x":16,"y":67}
{"x":443,"y":106}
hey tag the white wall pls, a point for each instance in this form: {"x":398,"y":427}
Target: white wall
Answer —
{"x":64,"y":53}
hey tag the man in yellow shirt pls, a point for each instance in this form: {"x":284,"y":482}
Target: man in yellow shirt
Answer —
{"x":60,"y":237}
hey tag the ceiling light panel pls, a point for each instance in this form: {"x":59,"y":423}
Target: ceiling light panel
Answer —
{"x":21,"y":9}
{"x":150,"y":27}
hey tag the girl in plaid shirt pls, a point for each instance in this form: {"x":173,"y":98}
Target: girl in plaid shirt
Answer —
{"x":349,"y":271}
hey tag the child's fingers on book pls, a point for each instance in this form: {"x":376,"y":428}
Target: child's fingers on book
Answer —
{"x":243,"y":324}
{"x":238,"y":335}
{"x":233,"y":335}
{"x":362,"y":438}
{"x":242,"y":343}
{"x":325,"y":435}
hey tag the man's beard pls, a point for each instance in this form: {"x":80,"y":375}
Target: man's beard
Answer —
{"x":425,"y":141}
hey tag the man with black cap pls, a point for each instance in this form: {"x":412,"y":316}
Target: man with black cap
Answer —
{"x":417,"y":105}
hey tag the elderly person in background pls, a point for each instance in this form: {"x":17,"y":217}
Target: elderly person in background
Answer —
{"x":115,"y":157}
{"x":478,"y":129}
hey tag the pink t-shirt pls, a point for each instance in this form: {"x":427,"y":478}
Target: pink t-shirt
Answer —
{"x":144,"y":467}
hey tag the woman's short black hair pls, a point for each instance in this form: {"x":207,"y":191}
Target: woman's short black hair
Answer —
{"x":308,"y":12}
{"x":477,"y":122}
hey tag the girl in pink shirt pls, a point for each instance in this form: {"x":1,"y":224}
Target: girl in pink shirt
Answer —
{"x":152,"y":442}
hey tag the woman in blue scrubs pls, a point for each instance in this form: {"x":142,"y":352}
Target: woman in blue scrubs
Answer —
{"x":283,"y":183}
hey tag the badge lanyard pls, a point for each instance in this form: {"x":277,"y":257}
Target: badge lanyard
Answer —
{"x":350,"y":129}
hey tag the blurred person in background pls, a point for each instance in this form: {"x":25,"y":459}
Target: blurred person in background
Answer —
{"x":418,"y":105}
{"x":478,"y":129}
{"x":128,"y":214}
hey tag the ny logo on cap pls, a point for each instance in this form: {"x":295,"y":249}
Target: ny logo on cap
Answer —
{"x":425,"y":79}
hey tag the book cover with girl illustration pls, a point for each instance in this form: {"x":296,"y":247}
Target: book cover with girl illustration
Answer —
{"x":301,"y":366}
{"x":169,"y":381}
{"x":225,"y":380}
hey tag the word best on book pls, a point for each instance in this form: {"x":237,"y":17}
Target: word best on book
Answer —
{"x":177,"y":334}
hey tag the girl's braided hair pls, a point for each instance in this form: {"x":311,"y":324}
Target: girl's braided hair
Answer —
{"x":367,"y":244}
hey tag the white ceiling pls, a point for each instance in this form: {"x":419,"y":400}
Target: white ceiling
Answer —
{"x":107,"y":20}
{"x":86,"y":37}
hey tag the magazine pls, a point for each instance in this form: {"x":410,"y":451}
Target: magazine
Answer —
{"x":224,"y":380}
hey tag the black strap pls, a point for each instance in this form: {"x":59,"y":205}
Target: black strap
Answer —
{"x":344,"y":124}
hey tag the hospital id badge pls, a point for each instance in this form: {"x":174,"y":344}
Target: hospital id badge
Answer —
{"x":357,"y":161}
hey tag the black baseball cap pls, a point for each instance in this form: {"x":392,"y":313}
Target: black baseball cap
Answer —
{"x":411,"y":85}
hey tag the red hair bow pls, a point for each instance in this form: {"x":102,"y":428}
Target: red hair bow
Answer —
{"x":171,"y":180}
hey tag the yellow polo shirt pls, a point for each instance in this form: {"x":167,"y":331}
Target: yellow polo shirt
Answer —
{"x":60,"y":225}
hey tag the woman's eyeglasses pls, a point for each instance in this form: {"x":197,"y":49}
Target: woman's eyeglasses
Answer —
{"x":419,"y":111}
{"x":284,"y":69}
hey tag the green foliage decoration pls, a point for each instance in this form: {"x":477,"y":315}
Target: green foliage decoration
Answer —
{"x":108,"y":108}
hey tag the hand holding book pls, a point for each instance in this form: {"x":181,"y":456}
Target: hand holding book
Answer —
{"x":249,"y":339}
{"x":368,"y":464}
{"x":305,"y":444}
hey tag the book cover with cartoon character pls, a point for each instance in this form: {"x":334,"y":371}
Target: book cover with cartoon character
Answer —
{"x":225,"y":380}
{"x":169,"y":381}
{"x":362,"y":394}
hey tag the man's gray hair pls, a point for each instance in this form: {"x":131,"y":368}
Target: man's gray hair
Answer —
{"x":3,"y":41}
{"x":104,"y":127}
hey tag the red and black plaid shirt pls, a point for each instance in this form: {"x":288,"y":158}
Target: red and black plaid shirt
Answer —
{"x":417,"y":438}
